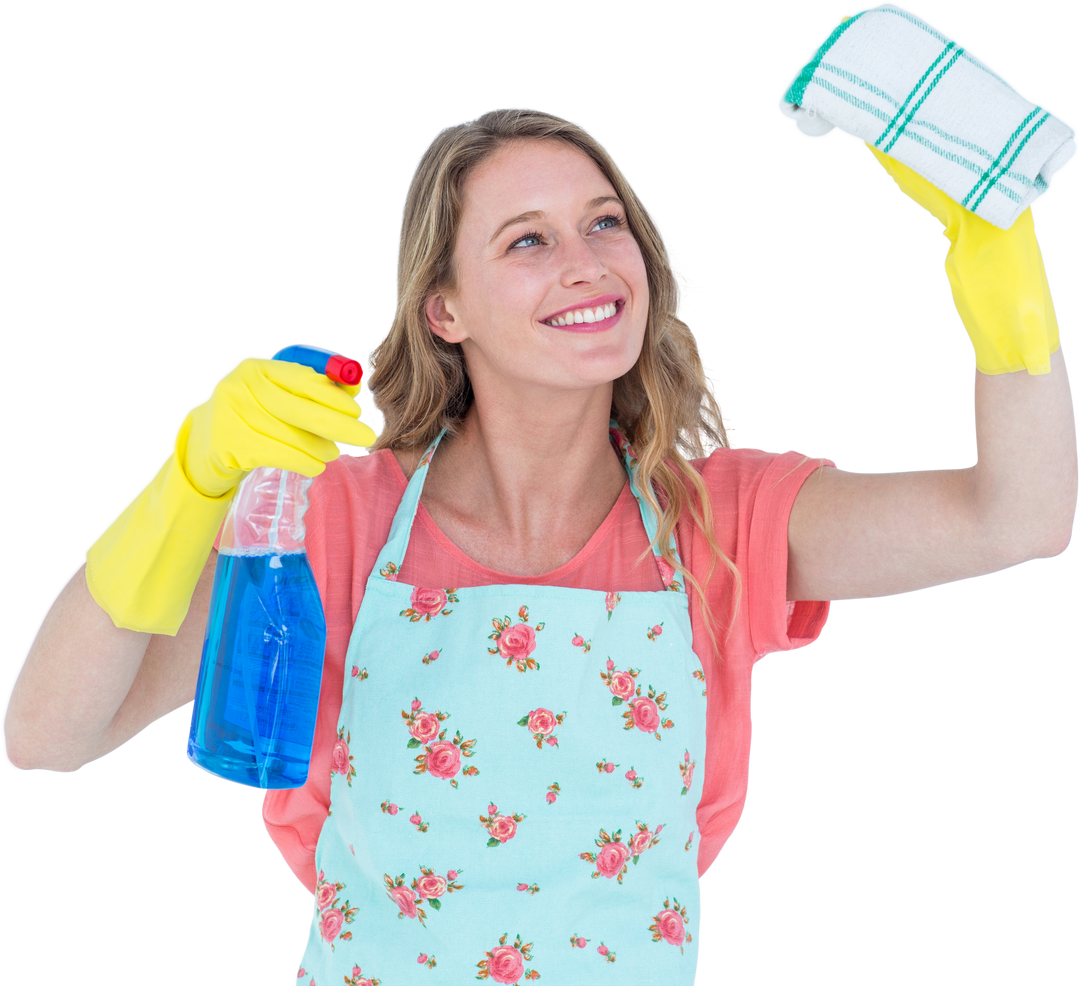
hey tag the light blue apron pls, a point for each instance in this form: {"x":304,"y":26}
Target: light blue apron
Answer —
{"x":514,"y":787}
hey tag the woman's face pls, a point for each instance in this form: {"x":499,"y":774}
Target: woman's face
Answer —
{"x":543,"y":239}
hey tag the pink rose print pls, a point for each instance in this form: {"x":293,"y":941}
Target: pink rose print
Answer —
{"x":670,"y":925}
{"x":501,"y":828}
{"x":700,"y":676}
{"x":357,"y":979}
{"x":689,"y":842}
{"x":531,"y":888}
{"x":576,"y":941}
{"x":428,"y":603}
{"x":541,"y":723}
{"x":341,"y":761}
{"x":332,"y":915}
{"x":608,"y":954}
{"x":667,"y":574}
{"x":405,"y":899}
{"x":441,"y":759}
{"x":644,"y":712}
{"x":611,"y":600}
{"x":516,"y":643}
{"x":632,"y":777}
{"x":425,"y":726}
{"x":580,"y":641}
{"x":640,"y":842}
{"x":429,"y":887}
{"x":391,"y":809}
{"x":428,"y":658}
{"x":424,"y":959}
{"x":686,"y":768}
{"x":606,"y":766}
{"x":300,"y":974}
{"x":646,"y":715}
{"x":391,"y":572}
{"x":552,"y":793}
{"x":653,"y":632}
{"x":611,"y":860}
{"x":506,"y":963}
{"x":622,"y":684}
{"x":331,"y":923}
{"x":360,"y":673}
{"x":324,"y":895}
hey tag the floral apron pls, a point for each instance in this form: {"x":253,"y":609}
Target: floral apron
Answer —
{"x":513,"y":791}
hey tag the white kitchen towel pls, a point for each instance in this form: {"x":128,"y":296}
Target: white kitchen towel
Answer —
{"x":892,"y":80}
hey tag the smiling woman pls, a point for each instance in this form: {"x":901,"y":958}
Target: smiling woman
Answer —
{"x":424,"y":372}
{"x":552,"y":476}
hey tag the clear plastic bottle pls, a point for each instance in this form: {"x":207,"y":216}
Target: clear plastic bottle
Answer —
{"x":258,"y":690}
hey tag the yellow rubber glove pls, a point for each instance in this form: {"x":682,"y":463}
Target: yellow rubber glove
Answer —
{"x":997,"y":277}
{"x":144,"y":568}
{"x":269,"y":413}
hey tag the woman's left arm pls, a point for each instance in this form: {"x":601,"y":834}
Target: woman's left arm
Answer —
{"x":852,"y":535}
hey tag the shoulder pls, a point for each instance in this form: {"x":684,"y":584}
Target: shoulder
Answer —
{"x":372,"y":477}
{"x":748,"y":471}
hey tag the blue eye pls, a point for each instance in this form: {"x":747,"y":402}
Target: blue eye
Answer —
{"x":526,"y":237}
{"x":613,"y":222}
{"x":617,"y":220}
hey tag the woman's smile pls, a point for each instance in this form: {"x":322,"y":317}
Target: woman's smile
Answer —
{"x":595,"y":315}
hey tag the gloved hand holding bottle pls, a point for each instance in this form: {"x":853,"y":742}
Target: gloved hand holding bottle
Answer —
{"x":144,"y":569}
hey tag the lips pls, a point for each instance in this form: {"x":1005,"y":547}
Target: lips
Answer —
{"x":591,"y":326}
{"x":591,"y":305}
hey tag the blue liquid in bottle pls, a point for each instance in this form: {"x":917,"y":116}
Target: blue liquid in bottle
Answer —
{"x":258,"y":689}
{"x":258,"y":692}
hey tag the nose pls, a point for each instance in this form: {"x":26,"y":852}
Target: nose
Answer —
{"x":580,"y":263}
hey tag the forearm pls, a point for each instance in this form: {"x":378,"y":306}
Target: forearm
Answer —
{"x":1025,"y":481}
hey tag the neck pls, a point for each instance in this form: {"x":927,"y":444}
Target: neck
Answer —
{"x":532,"y":466}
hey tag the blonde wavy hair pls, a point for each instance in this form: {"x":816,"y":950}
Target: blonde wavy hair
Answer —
{"x":664,"y":404}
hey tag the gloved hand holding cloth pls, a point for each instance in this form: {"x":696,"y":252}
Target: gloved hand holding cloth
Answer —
{"x":997,"y":277}
{"x":966,"y":147}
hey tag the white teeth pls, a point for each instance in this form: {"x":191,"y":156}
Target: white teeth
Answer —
{"x":583,"y":315}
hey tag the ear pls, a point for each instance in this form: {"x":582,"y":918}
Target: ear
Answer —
{"x":441,"y":319}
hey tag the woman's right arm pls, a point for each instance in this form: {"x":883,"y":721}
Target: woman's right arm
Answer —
{"x":121,"y":645}
{"x":87,"y":686}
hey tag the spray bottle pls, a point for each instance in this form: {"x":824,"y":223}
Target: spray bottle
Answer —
{"x":258,"y":691}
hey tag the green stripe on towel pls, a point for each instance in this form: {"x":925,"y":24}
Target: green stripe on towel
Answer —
{"x":794,"y":95}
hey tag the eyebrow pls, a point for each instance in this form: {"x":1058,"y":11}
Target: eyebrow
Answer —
{"x":528,"y":217}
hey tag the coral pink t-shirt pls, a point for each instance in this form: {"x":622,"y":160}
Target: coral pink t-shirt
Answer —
{"x":353,"y":504}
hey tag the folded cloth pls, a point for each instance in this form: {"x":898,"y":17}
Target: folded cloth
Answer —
{"x":888,"y":78}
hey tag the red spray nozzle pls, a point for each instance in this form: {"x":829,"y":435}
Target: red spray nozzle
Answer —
{"x":343,"y":370}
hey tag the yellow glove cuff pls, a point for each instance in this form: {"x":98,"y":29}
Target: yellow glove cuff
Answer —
{"x":143,"y":570}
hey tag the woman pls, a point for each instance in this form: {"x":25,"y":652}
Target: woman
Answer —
{"x":605,"y":626}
